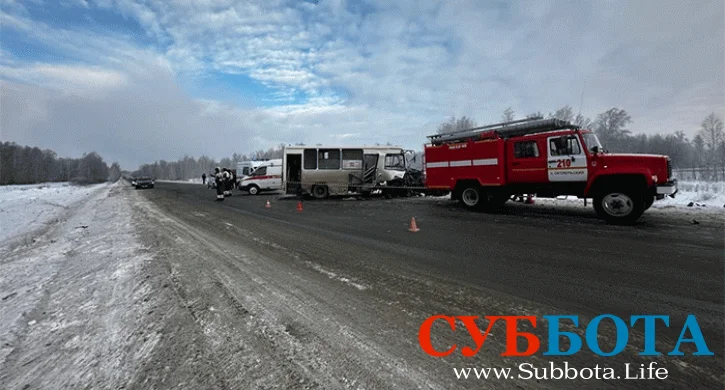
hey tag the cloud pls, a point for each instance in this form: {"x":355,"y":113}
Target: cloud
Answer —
{"x":145,"y":116}
{"x":72,"y":79}
{"x":364,"y":71}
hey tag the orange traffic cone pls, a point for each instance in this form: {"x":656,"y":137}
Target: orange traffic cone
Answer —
{"x":269,"y":206}
{"x":299,"y":206}
{"x":413,"y":226}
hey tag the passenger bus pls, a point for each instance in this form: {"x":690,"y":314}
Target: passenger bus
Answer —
{"x":322,"y":171}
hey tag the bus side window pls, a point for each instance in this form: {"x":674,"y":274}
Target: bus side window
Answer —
{"x":310,"y":158}
{"x":329,"y":159}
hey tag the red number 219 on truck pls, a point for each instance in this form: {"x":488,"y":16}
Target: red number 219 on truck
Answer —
{"x":483,"y":167}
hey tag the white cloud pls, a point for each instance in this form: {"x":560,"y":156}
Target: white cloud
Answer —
{"x":390,"y":73}
{"x":147,"y":117}
{"x":66,"y":78}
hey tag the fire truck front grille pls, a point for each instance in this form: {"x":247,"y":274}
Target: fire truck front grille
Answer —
{"x":669,"y":169}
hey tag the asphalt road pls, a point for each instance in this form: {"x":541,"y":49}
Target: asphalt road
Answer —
{"x":354,"y":263}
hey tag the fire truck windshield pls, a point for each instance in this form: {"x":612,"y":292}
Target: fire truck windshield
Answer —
{"x":591,"y":141}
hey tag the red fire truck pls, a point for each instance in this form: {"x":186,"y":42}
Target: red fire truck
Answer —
{"x":485,"y":166}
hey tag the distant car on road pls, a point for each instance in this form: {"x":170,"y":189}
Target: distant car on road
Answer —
{"x":144,"y":182}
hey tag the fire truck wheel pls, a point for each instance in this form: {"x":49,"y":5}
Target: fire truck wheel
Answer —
{"x":253,"y":190}
{"x":619,"y":207}
{"x":320,"y":192}
{"x":471,"y":197}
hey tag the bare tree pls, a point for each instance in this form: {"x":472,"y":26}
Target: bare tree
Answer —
{"x":565,"y":113}
{"x":698,"y":144}
{"x":712,"y":131}
{"x":721,"y":159}
{"x":582,"y":122}
{"x":454,"y":125}
{"x":610,"y":127}
{"x":508,"y":115}
{"x":536,"y":114}
{"x":114,"y":173}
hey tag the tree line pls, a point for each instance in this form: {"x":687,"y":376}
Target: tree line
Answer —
{"x":29,"y":165}
{"x":190,"y":167}
{"x":705,"y":152}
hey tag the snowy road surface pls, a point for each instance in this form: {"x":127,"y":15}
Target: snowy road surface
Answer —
{"x":166,"y":288}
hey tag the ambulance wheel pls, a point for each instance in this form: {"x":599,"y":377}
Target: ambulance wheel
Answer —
{"x":320,"y":192}
{"x":471,"y":197}
{"x":253,"y":190}
{"x":619,"y":207}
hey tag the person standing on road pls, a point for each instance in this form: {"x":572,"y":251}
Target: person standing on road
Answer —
{"x":203,"y":178}
{"x":234,"y":179}
{"x":227,"y":176}
{"x":219,"y":180}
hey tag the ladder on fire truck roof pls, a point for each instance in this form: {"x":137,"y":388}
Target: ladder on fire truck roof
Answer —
{"x":504,"y":129}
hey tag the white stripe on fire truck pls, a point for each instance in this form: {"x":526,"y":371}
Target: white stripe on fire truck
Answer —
{"x":462,"y":163}
{"x":486,"y":161}
{"x":443,"y":164}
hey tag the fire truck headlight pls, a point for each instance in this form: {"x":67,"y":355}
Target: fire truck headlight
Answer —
{"x":654,"y":178}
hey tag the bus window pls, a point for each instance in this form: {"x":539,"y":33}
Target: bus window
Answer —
{"x":329,"y":159}
{"x":352,"y":159}
{"x":310,"y":159}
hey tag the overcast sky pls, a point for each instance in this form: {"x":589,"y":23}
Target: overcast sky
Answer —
{"x":145,"y":80}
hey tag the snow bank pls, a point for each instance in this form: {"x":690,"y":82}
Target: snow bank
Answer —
{"x":25,"y":208}
{"x":74,"y":303}
{"x":700,"y":194}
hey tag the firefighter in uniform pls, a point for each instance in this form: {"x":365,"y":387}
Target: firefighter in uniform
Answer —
{"x":227,"y":182}
{"x":219,"y":179}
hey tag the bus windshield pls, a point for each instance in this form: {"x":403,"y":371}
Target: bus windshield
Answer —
{"x":395,"y":162}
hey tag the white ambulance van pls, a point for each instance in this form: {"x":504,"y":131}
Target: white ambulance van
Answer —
{"x":244,"y":168}
{"x":266,"y":177}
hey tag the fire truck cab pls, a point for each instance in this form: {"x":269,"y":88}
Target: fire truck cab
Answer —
{"x":485,"y":166}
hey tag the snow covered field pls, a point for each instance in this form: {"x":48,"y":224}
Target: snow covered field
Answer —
{"x":25,"y":208}
{"x":702,"y":194}
{"x":72,"y":299}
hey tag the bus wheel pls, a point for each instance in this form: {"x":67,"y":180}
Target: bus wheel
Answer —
{"x":320,"y":192}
